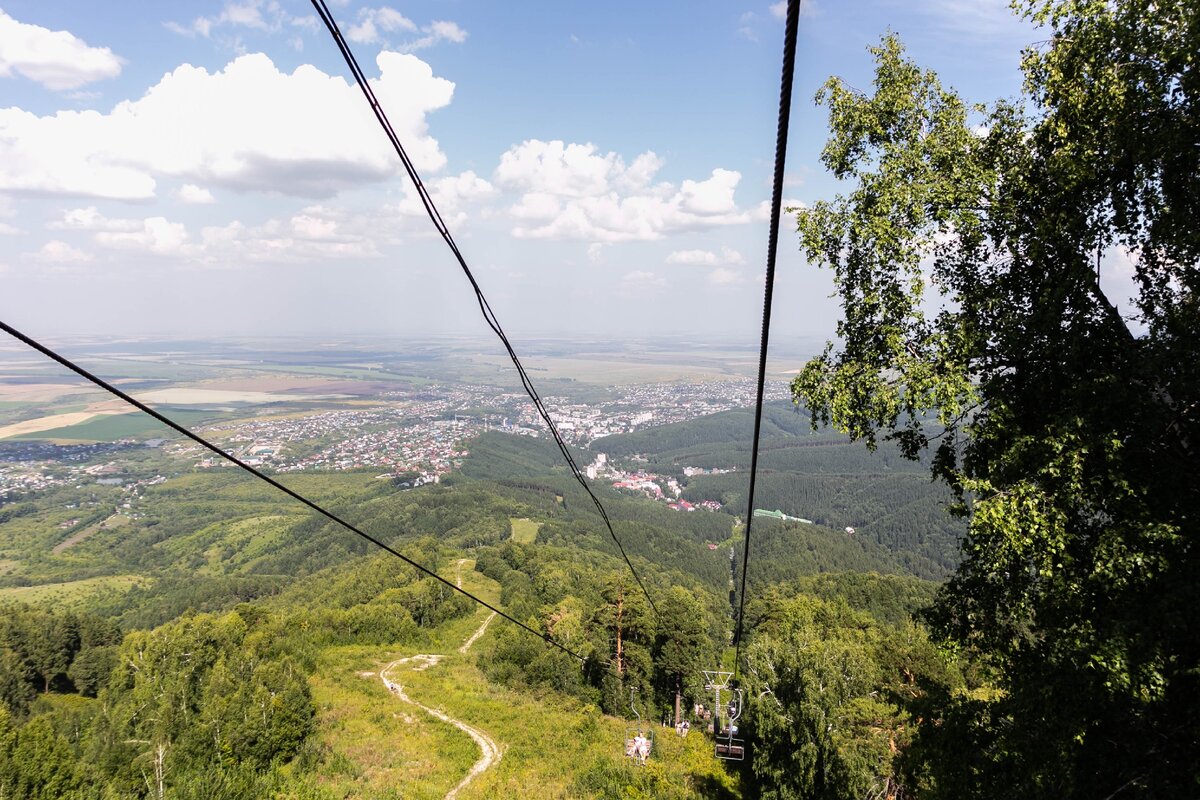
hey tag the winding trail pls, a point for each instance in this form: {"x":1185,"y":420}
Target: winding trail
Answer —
{"x":490,"y":751}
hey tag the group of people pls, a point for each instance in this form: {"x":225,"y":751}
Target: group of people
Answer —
{"x":683,"y":727}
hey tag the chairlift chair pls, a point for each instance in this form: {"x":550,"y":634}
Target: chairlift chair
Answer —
{"x":639,"y":739}
{"x":728,"y":747}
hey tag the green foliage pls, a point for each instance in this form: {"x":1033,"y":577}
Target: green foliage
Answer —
{"x":41,"y":649}
{"x":892,"y":600}
{"x":198,"y":691}
{"x":830,"y":697}
{"x":1071,"y":440}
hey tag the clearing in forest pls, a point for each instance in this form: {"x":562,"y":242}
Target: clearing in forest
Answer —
{"x":524,"y":531}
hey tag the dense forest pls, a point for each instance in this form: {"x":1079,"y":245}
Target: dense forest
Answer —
{"x":819,"y":475}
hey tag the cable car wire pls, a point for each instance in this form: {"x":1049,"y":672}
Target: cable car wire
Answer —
{"x":108,"y":387}
{"x":485,"y":308}
{"x":781,"y":136}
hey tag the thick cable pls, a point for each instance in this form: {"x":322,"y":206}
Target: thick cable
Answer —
{"x":485,"y":308}
{"x":200,"y":440}
{"x":781,"y":136}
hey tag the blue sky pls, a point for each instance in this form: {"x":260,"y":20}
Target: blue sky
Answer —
{"x":202,"y":168}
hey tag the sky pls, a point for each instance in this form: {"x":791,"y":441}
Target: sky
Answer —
{"x":206,"y":169}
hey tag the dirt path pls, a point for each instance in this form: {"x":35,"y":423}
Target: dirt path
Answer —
{"x":490,"y":751}
{"x":471,"y":639}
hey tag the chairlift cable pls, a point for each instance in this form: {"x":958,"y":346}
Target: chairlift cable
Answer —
{"x":785,"y":110}
{"x":485,"y":307}
{"x":195,"y":437}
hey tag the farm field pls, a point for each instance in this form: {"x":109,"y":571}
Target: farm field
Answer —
{"x":112,"y":427}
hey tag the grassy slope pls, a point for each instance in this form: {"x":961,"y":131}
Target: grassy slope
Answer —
{"x":380,"y":747}
{"x":524,"y":531}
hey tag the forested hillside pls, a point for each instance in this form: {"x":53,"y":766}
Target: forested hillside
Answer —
{"x":816,"y":475}
{"x":204,"y":676}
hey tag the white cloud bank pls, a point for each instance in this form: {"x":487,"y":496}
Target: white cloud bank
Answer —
{"x":56,"y":59}
{"x":572,"y":191}
{"x":248,"y":127}
{"x":314,"y":233}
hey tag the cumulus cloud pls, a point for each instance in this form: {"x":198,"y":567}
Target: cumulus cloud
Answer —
{"x":247,"y":127}
{"x":453,"y":191}
{"x":192,"y":194}
{"x":706,"y":257}
{"x":573,"y":191}
{"x":56,"y":252}
{"x":56,"y":59}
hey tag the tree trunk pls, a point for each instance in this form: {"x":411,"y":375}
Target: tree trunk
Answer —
{"x":677,"y":717}
{"x":160,"y":756}
{"x":620,"y":666}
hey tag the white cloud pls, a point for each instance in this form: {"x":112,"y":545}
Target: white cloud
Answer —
{"x":724,"y":277}
{"x":194,"y":195}
{"x":316,"y":233}
{"x":90,"y":219}
{"x":728,"y":256}
{"x":56,"y":252}
{"x":746,"y":26}
{"x":313,"y":233}
{"x":375,"y":24}
{"x":248,"y":127}
{"x":779,"y":10}
{"x":437,"y":31}
{"x":8,"y":230}
{"x":572,"y":191}
{"x":451,"y":192}
{"x":157,"y":235}
{"x":56,"y":59}
{"x":262,"y":15}
{"x":638,"y":280}
{"x":595,"y":252}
